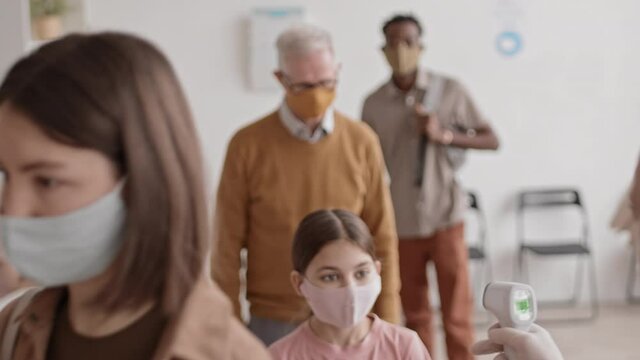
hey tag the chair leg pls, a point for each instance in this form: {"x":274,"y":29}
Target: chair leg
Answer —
{"x":524,"y":268}
{"x":488,"y":270}
{"x":477,"y":284}
{"x":631,"y":279}
{"x":595,"y":305}
{"x":518,"y":267}
{"x":475,"y":281}
{"x":476,"y":288}
{"x":489,"y":278}
{"x":578,"y":280}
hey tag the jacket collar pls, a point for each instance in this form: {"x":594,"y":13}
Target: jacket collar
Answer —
{"x":200,"y":331}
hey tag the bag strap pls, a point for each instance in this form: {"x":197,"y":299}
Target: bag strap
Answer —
{"x":431,"y":102}
{"x":11,"y":330}
{"x":435,"y":87}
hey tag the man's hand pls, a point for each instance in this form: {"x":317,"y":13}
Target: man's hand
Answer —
{"x":429,"y":125}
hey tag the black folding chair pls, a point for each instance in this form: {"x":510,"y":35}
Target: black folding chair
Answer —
{"x":477,"y":249}
{"x":579,"y":247}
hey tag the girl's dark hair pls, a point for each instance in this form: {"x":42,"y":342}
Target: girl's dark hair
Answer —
{"x":323,"y":227}
{"x":118,"y":94}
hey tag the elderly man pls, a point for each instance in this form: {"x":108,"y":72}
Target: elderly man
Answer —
{"x":424,"y":120}
{"x":302,"y":157}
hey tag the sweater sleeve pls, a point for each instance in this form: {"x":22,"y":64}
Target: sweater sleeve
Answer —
{"x":231,"y":224}
{"x":378,"y":214}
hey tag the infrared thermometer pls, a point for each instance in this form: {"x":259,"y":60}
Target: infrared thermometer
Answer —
{"x":513,"y":304}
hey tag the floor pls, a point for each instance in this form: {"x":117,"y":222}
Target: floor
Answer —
{"x":614,"y":335}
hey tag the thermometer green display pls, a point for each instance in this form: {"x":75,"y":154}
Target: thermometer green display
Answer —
{"x":513,"y":304}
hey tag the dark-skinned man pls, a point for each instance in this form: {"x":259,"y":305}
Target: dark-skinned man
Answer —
{"x":425,"y":122}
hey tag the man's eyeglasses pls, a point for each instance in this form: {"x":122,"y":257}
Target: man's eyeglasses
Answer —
{"x":302,"y":86}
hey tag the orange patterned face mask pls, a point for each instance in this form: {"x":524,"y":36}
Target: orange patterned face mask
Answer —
{"x":310,"y":103}
{"x":403,"y":59}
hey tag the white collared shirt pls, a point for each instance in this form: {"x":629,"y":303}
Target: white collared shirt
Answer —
{"x":300,"y":130}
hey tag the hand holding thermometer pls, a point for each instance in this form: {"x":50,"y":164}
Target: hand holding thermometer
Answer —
{"x":513,"y":304}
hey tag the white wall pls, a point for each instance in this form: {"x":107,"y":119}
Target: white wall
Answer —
{"x":12,"y":33}
{"x":567,"y":109}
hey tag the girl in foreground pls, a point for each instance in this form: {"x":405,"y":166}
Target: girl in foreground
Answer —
{"x":336,"y":271}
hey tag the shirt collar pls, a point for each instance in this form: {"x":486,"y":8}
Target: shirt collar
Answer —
{"x":199,"y":331}
{"x":329,"y":348}
{"x":422,"y":83}
{"x":298,"y":128}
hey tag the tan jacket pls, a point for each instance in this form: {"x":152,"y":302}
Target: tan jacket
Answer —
{"x":10,"y":280}
{"x":206,"y":328}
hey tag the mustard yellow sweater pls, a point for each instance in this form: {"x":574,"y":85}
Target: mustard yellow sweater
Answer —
{"x":270,"y":181}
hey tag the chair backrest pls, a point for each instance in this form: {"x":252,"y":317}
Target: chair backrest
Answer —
{"x":549,"y":198}
{"x":472,"y":200}
{"x":474,"y":206}
{"x":552,"y":198}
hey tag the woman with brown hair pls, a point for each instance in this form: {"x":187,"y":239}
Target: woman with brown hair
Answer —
{"x":336,"y":271}
{"x":104,"y":204}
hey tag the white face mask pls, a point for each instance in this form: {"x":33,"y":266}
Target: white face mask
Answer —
{"x":69,"y":248}
{"x":342,"y":307}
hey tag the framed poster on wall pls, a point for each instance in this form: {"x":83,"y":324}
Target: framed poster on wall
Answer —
{"x":265,"y":25}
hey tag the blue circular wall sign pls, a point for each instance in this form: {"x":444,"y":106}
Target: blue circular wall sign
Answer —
{"x":509,"y":43}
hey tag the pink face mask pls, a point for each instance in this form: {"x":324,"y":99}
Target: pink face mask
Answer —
{"x":342,"y":307}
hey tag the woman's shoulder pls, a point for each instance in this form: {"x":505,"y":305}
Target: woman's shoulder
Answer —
{"x":292,"y":345}
{"x":245,"y":345}
{"x":7,"y":308}
{"x":207,"y":323}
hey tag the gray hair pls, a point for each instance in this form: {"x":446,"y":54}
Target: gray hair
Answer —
{"x":300,"y":40}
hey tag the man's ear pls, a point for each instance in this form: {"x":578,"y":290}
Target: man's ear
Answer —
{"x":378,"y":266}
{"x":279,"y":75}
{"x":296,"y":281}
